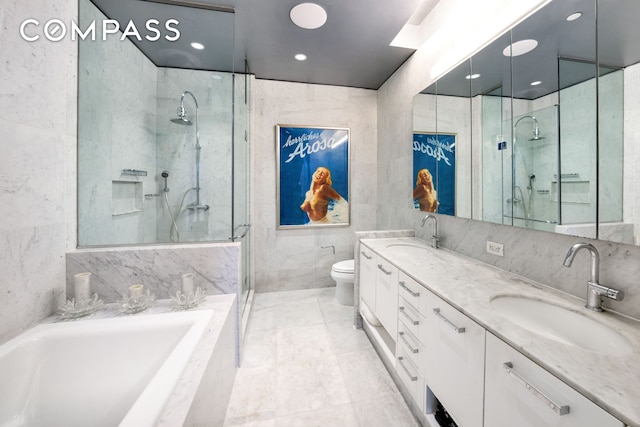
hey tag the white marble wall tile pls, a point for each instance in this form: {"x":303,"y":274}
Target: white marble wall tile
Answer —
{"x":216,"y":269}
{"x":37,"y":118}
{"x":293,"y":259}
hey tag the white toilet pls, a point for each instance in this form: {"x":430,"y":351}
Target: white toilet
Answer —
{"x":343,"y":274}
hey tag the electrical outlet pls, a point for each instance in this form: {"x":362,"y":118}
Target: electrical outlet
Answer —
{"x":495,"y":248}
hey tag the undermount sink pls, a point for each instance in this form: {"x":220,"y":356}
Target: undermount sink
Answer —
{"x":561,"y":324}
{"x":407,"y":246}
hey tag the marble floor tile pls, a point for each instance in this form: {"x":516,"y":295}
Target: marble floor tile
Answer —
{"x":334,"y":416}
{"x":309,"y":385}
{"x":346,"y":338}
{"x":365,"y":376}
{"x":260,"y":348}
{"x":304,"y":364}
{"x":332,"y":311}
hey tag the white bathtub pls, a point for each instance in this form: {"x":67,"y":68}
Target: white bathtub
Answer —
{"x":103,"y":372}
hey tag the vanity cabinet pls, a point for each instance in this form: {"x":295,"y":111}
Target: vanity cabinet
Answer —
{"x":368,"y":277}
{"x":387,"y":295}
{"x":520,"y":393}
{"x":454,"y":361}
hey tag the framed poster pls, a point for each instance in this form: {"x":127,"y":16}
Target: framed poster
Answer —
{"x":434,"y":172}
{"x":312,"y":177}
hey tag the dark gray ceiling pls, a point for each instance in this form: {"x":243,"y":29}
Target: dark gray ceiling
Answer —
{"x":351,"y":49}
{"x":618,"y":40}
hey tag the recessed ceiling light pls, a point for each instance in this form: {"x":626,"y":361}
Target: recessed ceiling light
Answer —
{"x":308,"y":16}
{"x":574,"y":16}
{"x":300,"y":56}
{"x":472,"y":76}
{"x":536,"y":83}
{"x":197,"y":45}
{"x":520,"y":47}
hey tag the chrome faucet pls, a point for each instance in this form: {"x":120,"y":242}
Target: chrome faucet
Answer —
{"x":595,"y":291}
{"x":434,"y":238}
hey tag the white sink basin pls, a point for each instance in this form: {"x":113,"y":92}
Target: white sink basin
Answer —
{"x":407,"y":246}
{"x":562,"y":325}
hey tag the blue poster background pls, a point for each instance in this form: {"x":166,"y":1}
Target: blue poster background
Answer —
{"x":301,"y":151}
{"x":437,"y":152}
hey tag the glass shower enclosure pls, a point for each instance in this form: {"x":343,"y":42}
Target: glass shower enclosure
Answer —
{"x":163,"y":150}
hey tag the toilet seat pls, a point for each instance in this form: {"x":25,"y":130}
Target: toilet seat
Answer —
{"x":345,"y":267}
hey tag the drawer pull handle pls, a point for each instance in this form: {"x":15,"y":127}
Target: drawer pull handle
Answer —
{"x":407,"y":343}
{"x":411,"y":376}
{"x":449,"y":323}
{"x":388,"y":273}
{"x":413,"y":294}
{"x":558,"y":409}
{"x":414,"y":322}
{"x":365,"y":255}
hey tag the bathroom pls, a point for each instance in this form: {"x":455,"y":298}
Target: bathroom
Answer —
{"x":39,"y":173}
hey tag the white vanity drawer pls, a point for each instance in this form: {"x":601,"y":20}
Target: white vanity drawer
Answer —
{"x":412,"y":291}
{"x":453,"y":361}
{"x":367,"y":277}
{"x":520,"y":393}
{"x":411,"y":377}
{"x":409,"y":316}
{"x":387,"y":295}
{"x":410,"y":345}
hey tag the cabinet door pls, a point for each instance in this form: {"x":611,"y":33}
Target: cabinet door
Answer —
{"x":520,"y":393}
{"x":368,"y":277}
{"x":387,"y":296}
{"x":454,"y":361}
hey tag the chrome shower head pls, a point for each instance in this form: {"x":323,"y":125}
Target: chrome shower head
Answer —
{"x":182,"y":117}
{"x":536,"y":134}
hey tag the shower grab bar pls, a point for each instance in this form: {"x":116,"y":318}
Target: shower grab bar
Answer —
{"x":241,"y":236}
{"x":558,"y":409}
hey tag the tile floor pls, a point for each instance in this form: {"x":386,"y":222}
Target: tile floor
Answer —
{"x":305,"y":365}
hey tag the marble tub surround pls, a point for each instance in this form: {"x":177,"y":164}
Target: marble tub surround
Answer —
{"x":202,"y":393}
{"x":216,"y":268}
{"x":469,"y":285}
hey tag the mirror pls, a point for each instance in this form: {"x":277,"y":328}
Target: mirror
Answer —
{"x":156,"y":126}
{"x":552,"y":128}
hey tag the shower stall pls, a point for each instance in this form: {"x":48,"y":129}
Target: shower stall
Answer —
{"x":163,"y":151}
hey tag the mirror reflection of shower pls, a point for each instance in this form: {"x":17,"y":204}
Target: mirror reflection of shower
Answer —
{"x":182,"y":119}
{"x":527,"y":207}
{"x":534,"y":167}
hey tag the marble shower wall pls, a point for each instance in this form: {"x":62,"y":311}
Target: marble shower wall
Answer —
{"x":294,"y":259}
{"x":113,"y":270}
{"x":117,"y":130}
{"x":37,"y":166}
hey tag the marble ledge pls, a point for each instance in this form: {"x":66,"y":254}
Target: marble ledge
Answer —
{"x":469,"y":285}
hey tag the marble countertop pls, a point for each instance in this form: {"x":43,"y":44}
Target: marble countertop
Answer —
{"x":610,"y":381}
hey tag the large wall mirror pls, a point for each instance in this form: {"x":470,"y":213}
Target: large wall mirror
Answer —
{"x":161,"y":125}
{"x":552,"y":121}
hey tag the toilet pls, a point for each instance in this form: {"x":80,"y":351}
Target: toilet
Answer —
{"x":343,"y":274}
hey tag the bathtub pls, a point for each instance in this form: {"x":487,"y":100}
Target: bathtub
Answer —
{"x":102,"y":372}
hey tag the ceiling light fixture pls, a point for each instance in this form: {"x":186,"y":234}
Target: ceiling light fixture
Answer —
{"x":300,"y":56}
{"x":574,"y":16}
{"x":472,"y":76}
{"x":197,"y":45}
{"x":536,"y":83}
{"x":520,"y":47}
{"x":308,"y":16}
